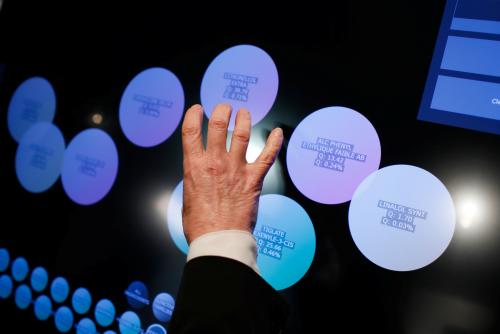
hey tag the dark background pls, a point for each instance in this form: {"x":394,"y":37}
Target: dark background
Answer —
{"x":369,"y":56}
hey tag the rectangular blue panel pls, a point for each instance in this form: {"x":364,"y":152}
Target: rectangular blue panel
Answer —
{"x":473,"y":25}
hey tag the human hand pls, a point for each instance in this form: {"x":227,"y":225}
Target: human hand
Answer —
{"x":221,"y":190}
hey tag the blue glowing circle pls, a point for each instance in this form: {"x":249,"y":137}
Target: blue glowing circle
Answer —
{"x":286,"y":241}
{"x":20,"y":269}
{"x":86,"y":326}
{"x":137,"y":295}
{"x":105,"y":312}
{"x":39,"y":157}
{"x":156,"y":329}
{"x":4,"y":259}
{"x":163,"y":306}
{"x":33,"y":101}
{"x":59,"y":289}
{"x":23,"y":297}
{"x":402,"y":218}
{"x":81,"y":301}
{"x":174,"y":219}
{"x":43,"y":308}
{"x":129,"y":323}
{"x":90,"y":166}
{"x":39,"y":279}
{"x":63,"y":319}
{"x":243,"y":76}
{"x":109,"y":332}
{"x":151,"y":107}
{"x":5,"y":286}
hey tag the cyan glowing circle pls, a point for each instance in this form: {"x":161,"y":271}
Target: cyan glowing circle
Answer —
{"x":4,"y":259}
{"x":243,"y":76}
{"x":331,"y":152}
{"x":23,"y":297}
{"x":129,"y":323}
{"x":39,"y":157}
{"x":402,"y":218}
{"x":151,"y":107}
{"x":105,"y":312}
{"x":137,"y":295}
{"x":5,"y":286}
{"x":174,"y":219}
{"x":20,"y":269}
{"x":163,"y":306}
{"x":39,"y":279}
{"x":59,"y":289}
{"x":156,"y":329}
{"x":286,"y":241}
{"x":63,"y":319}
{"x":81,"y":300}
{"x":86,"y":326}
{"x":90,"y":166}
{"x":33,"y":101}
{"x":43,"y":308}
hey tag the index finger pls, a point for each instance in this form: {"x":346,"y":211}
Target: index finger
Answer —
{"x":192,"y":144}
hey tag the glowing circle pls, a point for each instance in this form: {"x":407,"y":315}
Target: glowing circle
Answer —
{"x":330,"y":153}
{"x":86,"y":326}
{"x":163,"y":306}
{"x":4,"y":259}
{"x":129,"y":323}
{"x":63,"y":319}
{"x":109,"y":332}
{"x":43,"y":308}
{"x":59,"y":289}
{"x":20,"y":269}
{"x":81,"y":300}
{"x":174,"y":219}
{"x":402,"y":218}
{"x":105,"y":312}
{"x":137,"y":295}
{"x":33,"y":101}
{"x":156,"y":329}
{"x":5,"y":286}
{"x":151,"y":107}
{"x":90,"y":166}
{"x":243,"y":76}
{"x":39,"y":279}
{"x":23,"y":297}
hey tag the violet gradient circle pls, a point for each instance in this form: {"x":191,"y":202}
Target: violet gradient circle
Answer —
{"x":344,"y":126}
{"x":151,"y":107}
{"x":90,"y":166}
{"x":243,"y":76}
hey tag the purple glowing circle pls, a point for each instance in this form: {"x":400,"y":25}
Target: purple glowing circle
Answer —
{"x":331,"y":152}
{"x":90,"y":166}
{"x":243,"y":76}
{"x":151,"y":107}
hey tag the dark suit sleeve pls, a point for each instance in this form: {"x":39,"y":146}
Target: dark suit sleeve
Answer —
{"x":223,"y":296}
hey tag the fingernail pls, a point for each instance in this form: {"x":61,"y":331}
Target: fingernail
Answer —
{"x":278,"y":132}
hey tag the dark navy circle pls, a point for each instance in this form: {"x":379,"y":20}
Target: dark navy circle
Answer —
{"x":137,"y":295}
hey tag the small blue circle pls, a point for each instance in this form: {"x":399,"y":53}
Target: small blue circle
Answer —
{"x":4,"y":259}
{"x":64,"y":319}
{"x":33,"y":101}
{"x":129,"y":323}
{"x":39,"y":279}
{"x":86,"y":326}
{"x":81,"y":300}
{"x":20,"y":269}
{"x":5,"y":286}
{"x":105,"y":312}
{"x":137,"y":295}
{"x":163,"y":306}
{"x":156,"y":329}
{"x":43,"y":308}
{"x":59,"y":289}
{"x":23,"y":297}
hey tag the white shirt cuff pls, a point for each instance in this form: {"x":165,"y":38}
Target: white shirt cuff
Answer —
{"x":233,"y":244}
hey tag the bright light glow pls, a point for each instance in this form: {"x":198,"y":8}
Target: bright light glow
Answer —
{"x":97,"y":119}
{"x":162,"y":203}
{"x":472,"y":209}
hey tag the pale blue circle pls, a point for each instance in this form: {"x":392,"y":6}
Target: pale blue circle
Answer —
{"x":59,"y":289}
{"x":137,"y":295}
{"x":23,"y":297}
{"x":286,"y":241}
{"x":105,"y":312}
{"x":81,"y":300}
{"x":43,"y":308}
{"x":33,"y":101}
{"x":109,"y":332}
{"x":129,"y":323}
{"x":163,"y":306}
{"x":63,"y":319}
{"x":5,"y":286}
{"x":20,"y":269}
{"x":39,"y":279}
{"x":402,"y":218}
{"x":86,"y":326}
{"x":4,"y":259}
{"x":90,"y":166}
{"x":174,"y":219}
{"x":156,"y":329}
{"x":39,"y":157}
{"x":151,"y":107}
